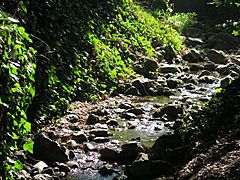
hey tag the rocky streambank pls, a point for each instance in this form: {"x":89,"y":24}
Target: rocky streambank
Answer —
{"x":134,"y":134}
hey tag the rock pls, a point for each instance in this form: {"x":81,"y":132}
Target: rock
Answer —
{"x":169,"y":148}
{"x":222,"y":41}
{"x":150,"y":65}
{"x":88,"y":147}
{"x":112,"y":122}
{"x":222,"y":69}
{"x":136,"y":111}
{"x":172,"y":110}
{"x":217,"y":57}
{"x":47,"y":150}
{"x":100,"y":112}
{"x":211,"y":66}
{"x":73,"y":118}
{"x":169,"y":54}
{"x":194,"y":32}
{"x":141,"y":84}
{"x":64,"y":167}
{"x":42,"y":177}
{"x":99,"y":132}
{"x":170,"y":69}
{"x":101,"y":139}
{"x":132,"y":91}
{"x":48,"y":170}
{"x":236,"y":60}
{"x":207,"y":79}
{"x":109,"y":155}
{"x":71,"y":144}
{"x":127,"y":115}
{"x":40,"y":166}
{"x":130,"y":152}
{"x":190,"y":86}
{"x":106,"y":170}
{"x":72,"y":164}
{"x":92,"y":119}
{"x":225,"y":81}
{"x":71,"y":154}
{"x":193,"y":56}
{"x":79,"y":137}
{"x":204,"y":73}
{"x":143,"y":168}
{"x":125,"y":106}
{"x":195,"y":67}
{"x":194,"y":41}
{"x":174,"y":83}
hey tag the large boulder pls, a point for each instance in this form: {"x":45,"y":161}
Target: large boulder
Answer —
{"x":145,"y":168}
{"x":222,"y":41}
{"x":217,"y":57}
{"x":48,"y":150}
{"x":130,"y":152}
{"x":169,"y":148}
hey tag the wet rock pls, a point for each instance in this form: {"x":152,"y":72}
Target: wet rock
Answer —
{"x":190,"y":86}
{"x":40,"y":166}
{"x":150,"y":65}
{"x":130,"y":152}
{"x":71,"y":144}
{"x":100,"y":112}
{"x":72,"y":164}
{"x":136,"y":111}
{"x":174,"y":83}
{"x":222,"y":69}
{"x":88,"y":147}
{"x":225,"y":81}
{"x":195,"y":67}
{"x":109,"y":155}
{"x":48,"y":170}
{"x":127,"y":115}
{"x":207,"y":79}
{"x":142,"y":84}
{"x":106,"y":170}
{"x":80,"y":137}
{"x":204,"y":73}
{"x":99,"y":132}
{"x":100,"y":126}
{"x":71,"y":154}
{"x":194,"y":32}
{"x":222,"y":41}
{"x":172,"y":110}
{"x":112,"y":122}
{"x":193,"y":56}
{"x":92,"y":119}
{"x":101,"y":139}
{"x":73,"y":118}
{"x":217,"y":57}
{"x":125,"y":106}
{"x":48,"y":150}
{"x":64,"y":167}
{"x":191,"y":41}
{"x":143,"y":168}
{"x":169,"y":148}
{"x":169,"y":54}
{"x":42,"y":177}
{"x":211,"y":66}
{"x":169,"y":69}
{"x":236,"y":60}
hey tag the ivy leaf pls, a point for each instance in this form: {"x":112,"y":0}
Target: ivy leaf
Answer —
{"x":18,"y":165}
{"x":28,"y":146}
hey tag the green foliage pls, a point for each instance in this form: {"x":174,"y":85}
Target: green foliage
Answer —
{"x":181,"y":21}
{"x":16,"y":87}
